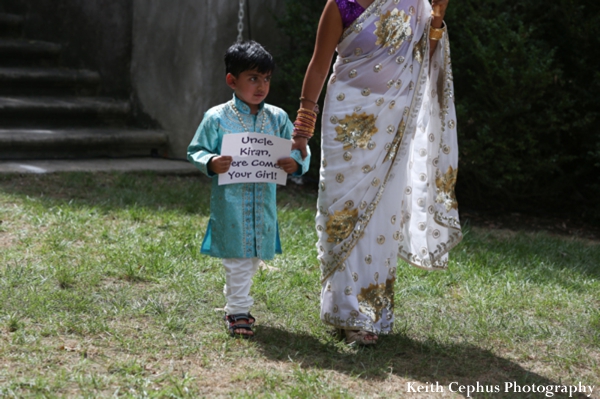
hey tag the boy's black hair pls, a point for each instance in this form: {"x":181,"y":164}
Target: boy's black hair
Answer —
{"x":247,"y":56}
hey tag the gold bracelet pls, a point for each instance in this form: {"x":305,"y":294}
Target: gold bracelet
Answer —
{"x":435,"y":33}
{"x":306,"y":99}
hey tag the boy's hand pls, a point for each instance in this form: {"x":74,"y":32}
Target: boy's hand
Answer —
{"x":288,"y":164}
{"x":219,"y":164}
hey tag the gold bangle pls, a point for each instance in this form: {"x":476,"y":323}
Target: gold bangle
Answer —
{"x":435,"y":33}
{"x":307,"y":111}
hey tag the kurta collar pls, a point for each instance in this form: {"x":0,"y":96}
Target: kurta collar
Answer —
{"x":243,"y":107}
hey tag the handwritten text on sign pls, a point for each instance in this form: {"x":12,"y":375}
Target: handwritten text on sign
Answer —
{"x":255,"y":158}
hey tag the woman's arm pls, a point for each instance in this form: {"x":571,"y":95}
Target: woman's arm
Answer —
{"x":328,"y":35}
{"x":439,"y":10}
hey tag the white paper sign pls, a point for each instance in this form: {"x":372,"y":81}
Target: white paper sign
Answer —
{"x":255,"y":158}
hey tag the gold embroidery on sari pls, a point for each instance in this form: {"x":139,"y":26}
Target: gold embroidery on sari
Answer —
{"x":393,"y":29}
{"x":445,"y":189}
{"x":341,"y":224}
{"x":373,"y":299}
{"x":356,"y":130}
{"x":419,"y":50}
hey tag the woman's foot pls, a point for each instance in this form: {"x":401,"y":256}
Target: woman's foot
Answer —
{"x":240,"y":325}
{"x":361,"y":337}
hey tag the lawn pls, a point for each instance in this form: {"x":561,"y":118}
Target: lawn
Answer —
{"x":103,"y":293}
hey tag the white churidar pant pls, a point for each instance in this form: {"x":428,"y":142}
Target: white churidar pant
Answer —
{"x":238,"y":280}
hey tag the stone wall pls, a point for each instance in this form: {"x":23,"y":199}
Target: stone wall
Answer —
{"x":177,"y":68}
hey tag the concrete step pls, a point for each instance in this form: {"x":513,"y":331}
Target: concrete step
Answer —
{"x":30,"y":111}
{"x":28,"y":52}
{"x":28,"y":80}
{"x":80,"y":143}
{"x":10,"y":25}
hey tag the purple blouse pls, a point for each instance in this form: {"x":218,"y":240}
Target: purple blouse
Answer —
{"x":350,"y":10}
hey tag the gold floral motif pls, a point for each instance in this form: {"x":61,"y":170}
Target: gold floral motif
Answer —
{"x":341,"y":224}
{"x":375,"y":298}
{"x":419,"y":50}
{"x":356,"y":130}
{"x":393,"y":29}
{"x":445,"y":188}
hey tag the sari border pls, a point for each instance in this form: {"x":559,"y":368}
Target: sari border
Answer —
{"x":361,"y":18}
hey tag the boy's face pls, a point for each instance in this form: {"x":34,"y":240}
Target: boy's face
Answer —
{"x":251,"y":87}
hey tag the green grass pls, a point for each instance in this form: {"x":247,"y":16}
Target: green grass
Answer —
{"x":103,"y":293}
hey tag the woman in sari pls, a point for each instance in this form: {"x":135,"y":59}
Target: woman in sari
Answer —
{"x":389,"y":154}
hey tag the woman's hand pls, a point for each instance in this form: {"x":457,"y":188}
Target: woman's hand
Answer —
{"x":288,"y":164}
{"x":439,"y":8}
{"x":220,"y":164}
{"x":299,"y":143}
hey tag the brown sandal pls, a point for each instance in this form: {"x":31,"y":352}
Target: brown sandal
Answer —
{"x":231,"y":321}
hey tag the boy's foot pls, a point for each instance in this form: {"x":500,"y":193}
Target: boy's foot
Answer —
{"x":240,"y":325}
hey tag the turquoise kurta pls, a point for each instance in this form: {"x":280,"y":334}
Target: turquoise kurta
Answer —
{"x":243,"y":216}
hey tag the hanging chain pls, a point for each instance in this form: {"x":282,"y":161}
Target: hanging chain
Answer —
{"x":240,"y":25}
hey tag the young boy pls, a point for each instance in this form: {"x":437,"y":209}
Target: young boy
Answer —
{"x":243,"y":226}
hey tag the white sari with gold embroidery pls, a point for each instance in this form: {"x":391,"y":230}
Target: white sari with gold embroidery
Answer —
{"x":389,"y":156}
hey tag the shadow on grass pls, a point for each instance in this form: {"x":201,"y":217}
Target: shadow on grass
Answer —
{"x":423,"y":363}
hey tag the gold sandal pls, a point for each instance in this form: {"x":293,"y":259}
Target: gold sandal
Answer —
{"x":360,"y":337}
